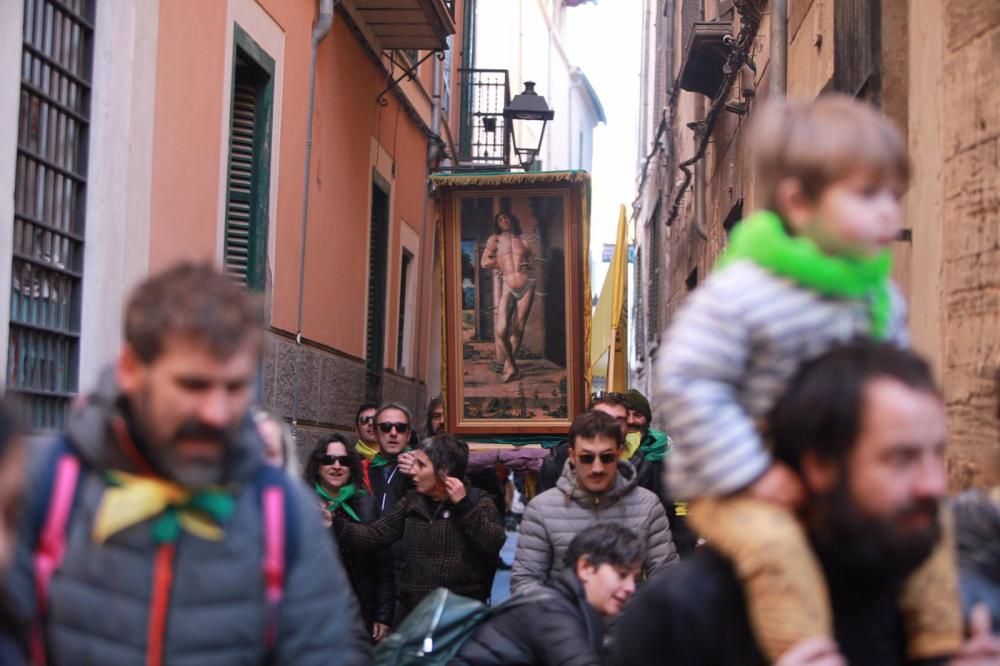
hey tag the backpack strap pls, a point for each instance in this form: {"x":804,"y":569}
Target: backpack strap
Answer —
{"x":50,"y":547}
{"x":273,"y":505}
{"x":279,"y":527}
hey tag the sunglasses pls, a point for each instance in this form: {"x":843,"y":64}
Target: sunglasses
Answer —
{"x":588,"y":458}
{"x":329,"y":460}
{"x":365,"y":420}
{"x":401,"y":428}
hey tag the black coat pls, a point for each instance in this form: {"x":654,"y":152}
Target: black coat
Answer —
{"x":561,"y":629}
{"x":387,"y":487}
{"x":447,"y":545}
{"x":371,"y":574}
{"x":694,"y":614}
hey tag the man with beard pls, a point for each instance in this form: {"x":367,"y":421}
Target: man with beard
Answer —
{"x":651,"y":447}
{"x":864,"y":426}
{"x":170,"y":540}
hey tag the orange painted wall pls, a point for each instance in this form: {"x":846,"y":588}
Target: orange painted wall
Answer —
{"x":186,"y":172}
{"x":187,"y":131}
{"x":346,"y":120}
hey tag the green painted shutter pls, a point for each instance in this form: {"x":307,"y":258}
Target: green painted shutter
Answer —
{"x":240,"y":231}
{"x":244,"y":251}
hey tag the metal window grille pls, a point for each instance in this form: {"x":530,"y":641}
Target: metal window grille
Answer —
{"x":484,"y":137}
{"x":49,"y":202}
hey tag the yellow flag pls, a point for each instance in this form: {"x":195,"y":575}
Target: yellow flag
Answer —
{"x":608,"y":340}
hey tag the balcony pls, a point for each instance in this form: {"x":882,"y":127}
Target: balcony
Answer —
{"x":484,"y":137}
{"x":705,"y":56}
{"x":408,"y":24}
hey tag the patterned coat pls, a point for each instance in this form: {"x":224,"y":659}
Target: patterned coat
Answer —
{"x":447,"y":545}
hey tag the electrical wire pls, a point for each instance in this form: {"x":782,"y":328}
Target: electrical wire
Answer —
{"x":750,"y":15}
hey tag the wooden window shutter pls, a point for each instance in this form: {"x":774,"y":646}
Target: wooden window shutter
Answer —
{"x":244,"y":251}
{"x":239,"y":220}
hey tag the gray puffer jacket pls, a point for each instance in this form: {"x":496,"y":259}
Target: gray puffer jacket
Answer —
{"x":99,"y":602}
{"x":554,"y":517}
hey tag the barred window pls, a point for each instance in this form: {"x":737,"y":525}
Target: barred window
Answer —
{"x":49,"y":201}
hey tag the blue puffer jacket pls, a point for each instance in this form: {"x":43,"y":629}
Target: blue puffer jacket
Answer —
{"x":99,"y":603}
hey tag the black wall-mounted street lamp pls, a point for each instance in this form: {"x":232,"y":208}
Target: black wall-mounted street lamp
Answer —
{"x":528,"y":110}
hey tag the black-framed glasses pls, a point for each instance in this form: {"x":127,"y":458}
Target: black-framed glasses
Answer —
{"x":365,"y":420}
{"x":329,"y":460}
{"x":401,"y":428}
{"x":588,"y":458}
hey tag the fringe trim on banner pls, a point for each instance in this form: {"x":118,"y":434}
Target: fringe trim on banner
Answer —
{"x":506,"y":178}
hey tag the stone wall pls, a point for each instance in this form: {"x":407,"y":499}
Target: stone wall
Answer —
{"x":330,"y":384}
{"x":970,"y":268}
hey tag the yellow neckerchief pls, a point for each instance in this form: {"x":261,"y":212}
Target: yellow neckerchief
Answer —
{"x":632,"y":442}
{"x":366,"y":451}
{"x":132,"y":499}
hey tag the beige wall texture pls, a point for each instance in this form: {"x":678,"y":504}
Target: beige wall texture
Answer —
{"x":939,"y":82}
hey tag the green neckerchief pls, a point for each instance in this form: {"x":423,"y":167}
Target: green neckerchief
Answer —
{"x":219,"y":506}
{"x":381,"y":461}
{"x":347,"y":492}
{"x":655,"y":445}
{"x":762,"y":239}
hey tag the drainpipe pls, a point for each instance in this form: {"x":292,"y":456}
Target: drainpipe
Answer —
{"x":779,"y":48}
{"x":324,"y":23}
{"x":700,"y":168}
{"x":433,"y":148}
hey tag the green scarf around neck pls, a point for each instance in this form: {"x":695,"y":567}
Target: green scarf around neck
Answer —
{"x":381,"y":460}
{"x":347,"y":492}
{"x":655,"y":445}
{"x":762,"y":239}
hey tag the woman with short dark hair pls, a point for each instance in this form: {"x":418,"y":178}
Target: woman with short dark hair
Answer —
{"x":334,"y":472}
{"x":451,"y":533}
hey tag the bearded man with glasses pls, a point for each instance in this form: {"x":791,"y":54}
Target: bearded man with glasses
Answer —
{"x":596,"y":486}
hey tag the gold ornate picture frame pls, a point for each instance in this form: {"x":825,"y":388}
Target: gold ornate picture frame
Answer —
{"x":516,"y":302}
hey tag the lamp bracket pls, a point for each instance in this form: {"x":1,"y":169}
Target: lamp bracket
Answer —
{"x":408,"y":73}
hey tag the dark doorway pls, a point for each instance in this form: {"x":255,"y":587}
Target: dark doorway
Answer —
{"x":377,"y":273}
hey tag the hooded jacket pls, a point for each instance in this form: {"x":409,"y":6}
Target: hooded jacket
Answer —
{"x":554,"y":517}
{"x":560,"y":629}
{"x":99,"y":601}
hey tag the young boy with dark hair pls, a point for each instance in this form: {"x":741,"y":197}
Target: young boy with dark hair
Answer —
{"x":564,"y":625}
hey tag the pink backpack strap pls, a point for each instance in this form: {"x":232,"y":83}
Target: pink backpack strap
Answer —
{"x":273,"y":504}
{"x":51,"y":545}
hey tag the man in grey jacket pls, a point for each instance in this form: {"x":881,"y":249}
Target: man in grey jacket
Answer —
{"x":167,"y":543}
{"x":595,"y":487}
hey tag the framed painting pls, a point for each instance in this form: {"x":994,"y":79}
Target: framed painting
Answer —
{"x":515,"y":281}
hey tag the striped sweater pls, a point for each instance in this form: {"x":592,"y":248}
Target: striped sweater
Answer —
{"x":727,"y":359}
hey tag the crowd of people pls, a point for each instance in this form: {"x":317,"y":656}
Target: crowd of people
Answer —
{"x":796,"y":515}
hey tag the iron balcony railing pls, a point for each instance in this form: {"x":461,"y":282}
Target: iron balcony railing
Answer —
{"x":484,"y":137}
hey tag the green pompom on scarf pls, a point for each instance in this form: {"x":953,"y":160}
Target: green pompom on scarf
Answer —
{"x":762,"y":239}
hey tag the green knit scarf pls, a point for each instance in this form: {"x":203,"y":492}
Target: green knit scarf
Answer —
{"x":381,"y":460}
{"x":347,"y":492}
{"x":762,"y":239}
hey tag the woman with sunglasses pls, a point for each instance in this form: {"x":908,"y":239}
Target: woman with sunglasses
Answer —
{"x":334,"y":472}
{"x":451,"y":533}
